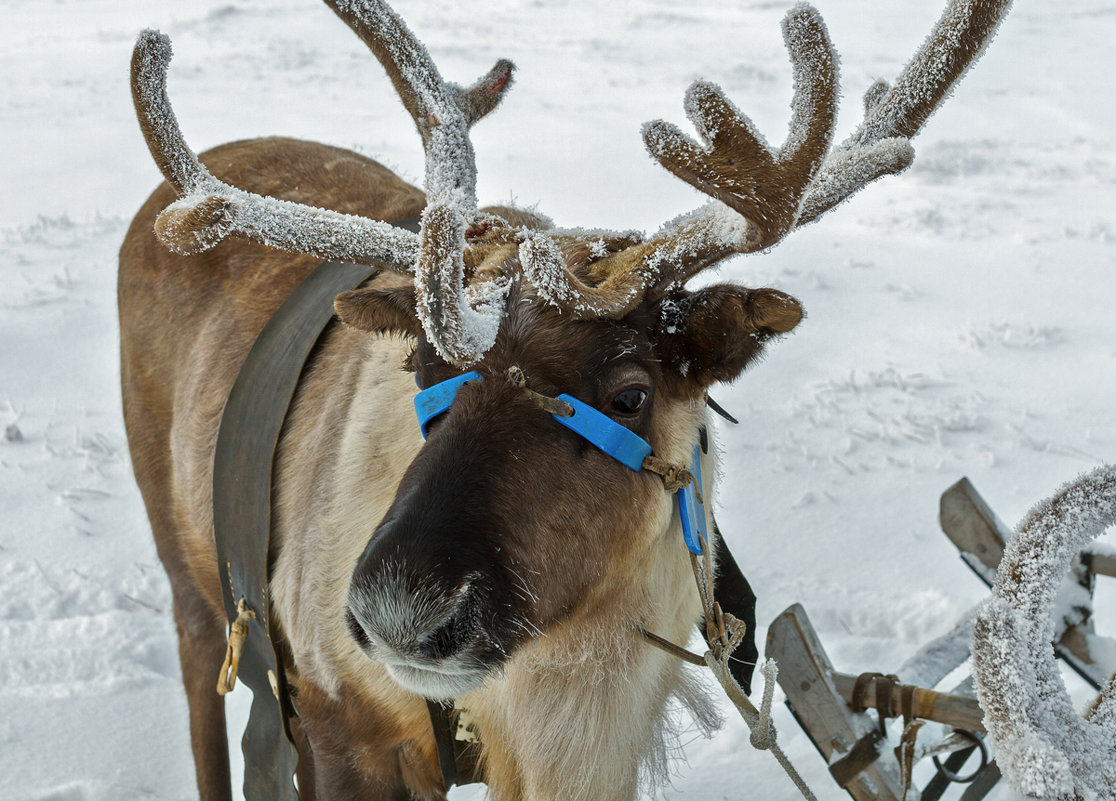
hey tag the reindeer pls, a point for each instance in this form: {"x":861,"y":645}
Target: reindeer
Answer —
{"x":505,"y":561}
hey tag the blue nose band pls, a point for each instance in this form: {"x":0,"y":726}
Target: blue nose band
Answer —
{"x":622,"y":444}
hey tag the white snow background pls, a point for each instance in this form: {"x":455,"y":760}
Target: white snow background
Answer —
{"x":961,"y":319}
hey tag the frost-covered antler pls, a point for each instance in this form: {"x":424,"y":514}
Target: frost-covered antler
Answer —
{"x":894,"y":115}
{"x":760,"y":196}
{"x":208,"y":210}
{"x":763,"y":189}
{"x":461,"y":323}
{"x":1044,"y":748}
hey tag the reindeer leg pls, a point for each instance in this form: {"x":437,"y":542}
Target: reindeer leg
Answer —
{"x":201,"y":649}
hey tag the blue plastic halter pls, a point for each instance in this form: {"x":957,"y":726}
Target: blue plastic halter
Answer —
{"x":622,"y":444}
{"x":434,"y":400}
{"x":692,"y":511}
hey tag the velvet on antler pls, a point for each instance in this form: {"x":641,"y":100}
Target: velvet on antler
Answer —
{"x":758,"y":195}
{"x":461,"y":321}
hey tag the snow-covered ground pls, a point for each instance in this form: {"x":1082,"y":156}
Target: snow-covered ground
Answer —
{"x":961,"y":318}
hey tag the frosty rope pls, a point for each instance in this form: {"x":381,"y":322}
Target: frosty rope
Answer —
{"x":725,"y":635}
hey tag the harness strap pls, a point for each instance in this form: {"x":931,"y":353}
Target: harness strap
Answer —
{"x":442,"y":719}
{"x":246,"y":443}
{"x":248,"y":435}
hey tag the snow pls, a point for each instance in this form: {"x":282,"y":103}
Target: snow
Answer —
{"x":959,"y":321}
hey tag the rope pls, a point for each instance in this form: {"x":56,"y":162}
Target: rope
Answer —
{"x":725,"y":633}
{"x":548,"y":404}
{"x":238,"y":633}
{"x":675,"y":476}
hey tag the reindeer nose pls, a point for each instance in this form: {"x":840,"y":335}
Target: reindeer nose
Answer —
{"x":395,"y":619}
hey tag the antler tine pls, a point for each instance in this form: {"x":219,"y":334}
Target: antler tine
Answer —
{"x":738,"y":168}
{"x":209,"y":210}
{"x":759,"y":191}
{"x":894,"y":115}
{"x":461,"y":331}
{"x":775,"y":193}
{"x":151,"y":58}
{"x":957,"y":40}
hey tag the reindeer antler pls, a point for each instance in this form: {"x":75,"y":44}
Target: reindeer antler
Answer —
{"x":462,"y":324}
{"x":761,"y":196}
{"x":209,"y":210}
{"x":894,"y":115}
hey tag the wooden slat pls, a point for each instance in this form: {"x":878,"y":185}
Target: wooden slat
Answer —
{"x":1103,"y":564}
{"x":972,"y":526}
{"x":805,"y":676}
{"x":939,"y":657}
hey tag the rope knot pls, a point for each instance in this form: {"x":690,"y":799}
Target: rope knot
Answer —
{"x":675,"y":476}
{"x":238,"y":633}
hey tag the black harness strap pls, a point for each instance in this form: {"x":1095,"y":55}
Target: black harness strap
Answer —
{"x":735,"y":595}
{"x":246,"y":442}
{"x":442,"y":719}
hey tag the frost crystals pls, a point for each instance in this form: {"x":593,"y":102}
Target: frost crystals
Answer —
{"x":1044,"y":748}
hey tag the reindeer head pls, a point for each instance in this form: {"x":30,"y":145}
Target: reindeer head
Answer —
{"x":508,"y":523}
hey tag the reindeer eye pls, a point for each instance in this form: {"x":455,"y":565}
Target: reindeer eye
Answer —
{"x":628,"y":402}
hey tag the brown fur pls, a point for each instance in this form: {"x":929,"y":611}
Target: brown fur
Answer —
{"x":193,"y":230}
{"x":175,"y":314}
{"x":569,"y":715}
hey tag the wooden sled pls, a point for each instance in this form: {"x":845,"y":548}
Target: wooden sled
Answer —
{"x":980,"y":536}
{"x":823,"y":700}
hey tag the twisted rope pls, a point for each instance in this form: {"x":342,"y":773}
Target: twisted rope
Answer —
{"x":517,"y":378}
{"x":725,"y":633}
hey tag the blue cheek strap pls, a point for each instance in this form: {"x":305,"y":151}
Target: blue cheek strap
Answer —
{"x":622,"y":444}
{"x":691,"y":508}
{"x":437,"y":399}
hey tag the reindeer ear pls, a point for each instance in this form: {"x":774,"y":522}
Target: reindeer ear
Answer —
{"x":711,"y":335}
{"x":381,"y":310}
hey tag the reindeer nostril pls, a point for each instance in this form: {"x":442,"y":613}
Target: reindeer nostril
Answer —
{"x":453,"y":634}
{"x":356,"y":630}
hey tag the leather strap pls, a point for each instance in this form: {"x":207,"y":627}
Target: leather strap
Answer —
{"x":246,"y":441}
{"x":861,"y":755}
{"x":444,"y":728}
{"x":734,"y":594}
